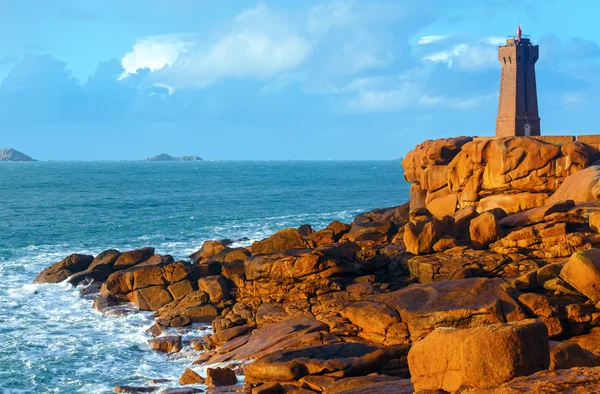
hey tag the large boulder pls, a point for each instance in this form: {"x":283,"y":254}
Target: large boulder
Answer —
{"x":377,"y":231}
{"x":133,"y":257}
{"x":580,"y":187}
{"x":582,"y":271}
{"x":431,"y":152}
{"x":339,"y":359}
{"x":484,"y":229}
{"x":459,"y":303}
{"x":536,"y":215}
{"x":455,"y":359}
{"x":285,"y":239}
{"x":63,"y":269}
{"x":512,"y":203}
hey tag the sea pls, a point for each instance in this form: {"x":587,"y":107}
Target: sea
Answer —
{"x":51,"y":340}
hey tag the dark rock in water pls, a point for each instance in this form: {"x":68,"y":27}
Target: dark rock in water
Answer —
{"x":165,"y":157}
{"x":134,"y":390}
{"x":63,"y":269}
{"x":180,"y":390}
{"x":13,"y":155}
{"x":170,"y":344}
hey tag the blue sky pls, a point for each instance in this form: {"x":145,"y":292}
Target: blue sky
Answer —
{"x":89,"y":80}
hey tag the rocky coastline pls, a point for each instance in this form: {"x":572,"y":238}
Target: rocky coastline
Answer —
{"x":486,"y":281}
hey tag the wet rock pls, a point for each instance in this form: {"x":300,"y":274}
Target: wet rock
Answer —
{"x":190,"y":377}
{"x":220,"y":377}
{"x":134,"y":389}
{"x":168,"y":344}
{"x":63,"y":269}
{"x":341,"y":360}
{"x":454,"y":359}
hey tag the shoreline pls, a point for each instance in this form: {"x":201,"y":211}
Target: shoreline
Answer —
{"x":373,"y":304}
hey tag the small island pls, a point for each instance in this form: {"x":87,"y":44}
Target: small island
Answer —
{"x":165,"y":157}
{"x":13,"y":155}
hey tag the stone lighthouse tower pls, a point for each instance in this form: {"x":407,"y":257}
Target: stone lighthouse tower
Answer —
{"x":517,"y":106}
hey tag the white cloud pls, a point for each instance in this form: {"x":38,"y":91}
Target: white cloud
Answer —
{"x":259,"y":44}
{"x":494,"y":40}
{"x":466,"y":56}
{"x":430,"y":39}
{"x":154,"y":52}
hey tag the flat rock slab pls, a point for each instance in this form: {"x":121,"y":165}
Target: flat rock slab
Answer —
{"x":573,"y":381}
{"x":458,"y":303}
{"x":340,"y":359}
{"x":378,"y":384}
{"x":291,"y":333}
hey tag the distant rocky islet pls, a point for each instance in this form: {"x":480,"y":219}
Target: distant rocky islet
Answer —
{"x":165,"y":157}
{"x":10,"y":154}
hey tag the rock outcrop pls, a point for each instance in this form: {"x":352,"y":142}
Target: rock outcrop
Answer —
{"x":13,"y":155}
{"x":460,"y":288}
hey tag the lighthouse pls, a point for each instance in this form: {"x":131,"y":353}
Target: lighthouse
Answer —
{"x":517,"y":103}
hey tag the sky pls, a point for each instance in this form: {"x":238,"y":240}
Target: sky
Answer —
{"x":279,"y":80}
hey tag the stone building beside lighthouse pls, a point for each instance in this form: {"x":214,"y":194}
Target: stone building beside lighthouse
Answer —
{"x":517,"y":105}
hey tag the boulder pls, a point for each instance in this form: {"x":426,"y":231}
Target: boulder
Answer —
{"x":132,"y":257}
{"x":215,"y":286}
{"x":582,"y":271}
{"x":462,"y":221}
{"x":589,"y":341}
{"x":220,"y":377}
{"x":536,"y":215}
{"x":512,"y":203}
{"x":419,"y":237}
{"x":565,"y":355}
{"x":484,"y":229}
{"x":580,"y":187}
{"x":208,"y":249}
{"x":377,"y":231}
{"x":340,"y":360}
{"x":455,"y":359}
{"x":190,"y":377}
{"x":459,"y":303}
{"x":285,"y":239}
{"x":444,"y":206}
{"x":63,"y":269}
{"x":105,"y":260}
{"x":168,"y":344}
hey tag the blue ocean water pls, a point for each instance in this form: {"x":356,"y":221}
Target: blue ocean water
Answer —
{"x":51,"y":340}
